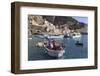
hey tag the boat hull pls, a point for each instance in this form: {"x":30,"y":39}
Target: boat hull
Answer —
{"x":59,"y":36}
{"x":56,"y":53}
{"x":78,"y":36}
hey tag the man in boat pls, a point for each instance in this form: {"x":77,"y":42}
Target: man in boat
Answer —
{"x":49,"y":44}
{"x":56,"y":46}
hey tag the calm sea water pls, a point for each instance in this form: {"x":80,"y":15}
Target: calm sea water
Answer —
{"x":71,"y":50}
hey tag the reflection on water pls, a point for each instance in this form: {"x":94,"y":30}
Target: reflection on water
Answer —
{"x":71,"y":50}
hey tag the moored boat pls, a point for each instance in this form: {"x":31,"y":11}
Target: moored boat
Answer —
{"x":39,"y":36}
{"x":68,"y":35}
{"x":79,"y":44}
{"x":58,"y":36}
{"x":76,"y":35}
{"x":54,"y":49}
{"x":55,"y":53}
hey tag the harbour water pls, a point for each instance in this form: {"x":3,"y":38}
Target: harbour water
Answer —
{"x":71,"y":50}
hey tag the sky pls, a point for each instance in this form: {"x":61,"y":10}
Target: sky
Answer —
{"x":81,"y":19}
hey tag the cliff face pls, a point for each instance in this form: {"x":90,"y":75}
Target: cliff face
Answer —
{"x":60,"y":20}
{"x":39,"y":24}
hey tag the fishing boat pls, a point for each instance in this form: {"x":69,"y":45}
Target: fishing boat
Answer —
{"x":55,"y":53}
{"x":79,"y":44}
{"x":55,"y":50}
{"x":40,"y":36}
{"x":76,"y":35}
{"x":68,"y":35}
{"x":55,"y":36}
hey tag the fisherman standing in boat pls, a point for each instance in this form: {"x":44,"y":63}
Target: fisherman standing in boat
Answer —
{"x":53,"y":45}
{"x":56,"y":45}
{"x":49,"y":44}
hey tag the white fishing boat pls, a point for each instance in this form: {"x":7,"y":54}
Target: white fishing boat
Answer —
{"x":50,"y":36}
{"x":76,"y":35}
{"x":54,"y":50}
{"x":54,"y":36}
{"x":67,"y":35}
{"x":40,"y":36}
{"x":55,"y":53}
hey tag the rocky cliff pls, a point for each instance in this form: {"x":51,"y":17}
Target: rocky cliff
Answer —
{"x":39,"y":24}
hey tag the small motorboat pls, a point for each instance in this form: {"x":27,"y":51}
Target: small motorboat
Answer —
{"x":79,"y":44}
{"x":76,"y":35}
{"x":67,"y":36}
